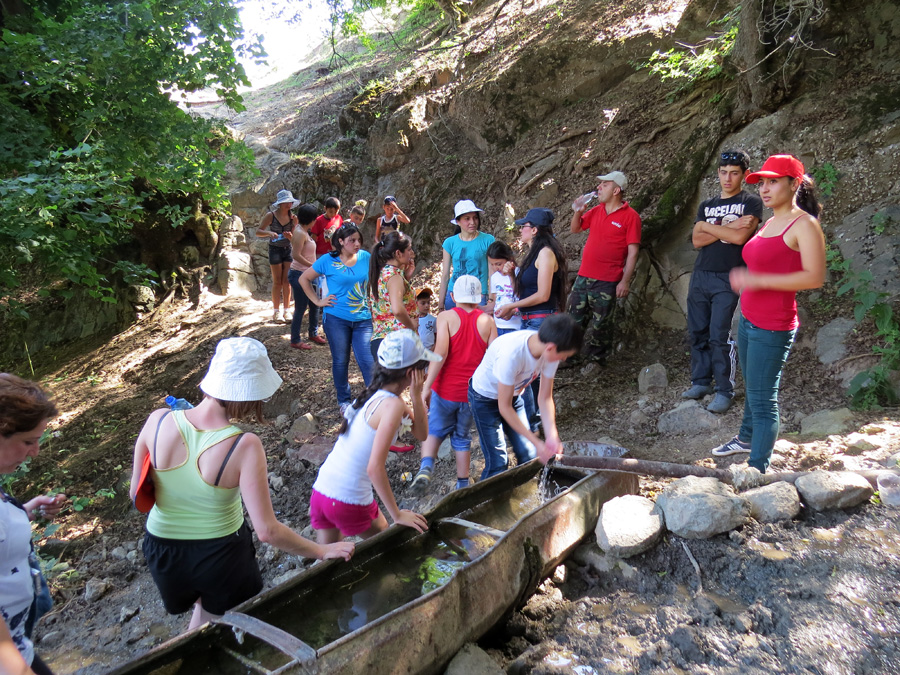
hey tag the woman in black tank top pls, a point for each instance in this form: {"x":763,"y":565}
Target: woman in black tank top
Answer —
{"x":278,"y":225}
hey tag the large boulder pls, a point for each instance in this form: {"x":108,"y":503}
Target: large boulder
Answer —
{"x":826,"y":422}
{"x":698,"y":508}
{"x":830,"y":339}
{"x":688,"y":418}
{"x":824,"y":490}
{"x":236,"y":275}
{"x":628,"y":525}
{"x":771,"y":503}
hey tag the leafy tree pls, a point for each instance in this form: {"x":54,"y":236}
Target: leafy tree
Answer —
{"x":92,"y":129}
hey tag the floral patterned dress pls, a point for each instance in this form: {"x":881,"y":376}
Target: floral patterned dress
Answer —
{"x":383,"y":319}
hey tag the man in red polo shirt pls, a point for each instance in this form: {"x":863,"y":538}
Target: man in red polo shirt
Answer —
{"x":607,"y":263}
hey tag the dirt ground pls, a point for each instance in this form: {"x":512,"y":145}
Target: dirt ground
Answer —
{"x":108,"y":611}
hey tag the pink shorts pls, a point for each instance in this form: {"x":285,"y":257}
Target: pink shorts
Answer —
{"x":326,"y":513}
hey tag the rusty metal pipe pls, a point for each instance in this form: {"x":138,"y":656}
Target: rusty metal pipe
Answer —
{"x":672,"y":470}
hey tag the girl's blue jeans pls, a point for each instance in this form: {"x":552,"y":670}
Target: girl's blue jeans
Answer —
{"x":762,"y":355}
{"x":342,"y":335}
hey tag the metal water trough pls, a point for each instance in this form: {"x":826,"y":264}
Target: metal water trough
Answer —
{"x":421,"y":635}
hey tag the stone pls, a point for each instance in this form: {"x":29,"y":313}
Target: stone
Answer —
{"x":445,"y":450}
{"x":628,"y":525}
{"x":774,"y":502}
{"x":653,"y":379}
{"x":119,"y":553}
{"x":872,"y":429}
{"x":590,"y":555}
{"x":314,"y":453}
{"x":472,"y":659}
{"x":141,"y":295}
{"x":303,"y":425}
{"x":286,"y":576}
{"x":698,"y":508}
{"x":824,"y":490}
{"x":574,"y":404}
{"x":785,"y":447}
{"x":95,"y":589}
{"x":190,"y":255}
{"x":858,"y":445}
{"x":282,"y":421}
{"x":132,"y":557}
{"x":276,"y":482}
{"x":688,"y":418}
{"x":589,"y":369}
{"x":638,"y":417}
{"x":235,"y":273}
{"x":893,"y":460}
{"x":830,"y":340}
{"x":821,"y":424}
{"x":128,"y":613}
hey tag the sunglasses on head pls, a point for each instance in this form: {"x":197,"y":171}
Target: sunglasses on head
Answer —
{"x":734,"y":159}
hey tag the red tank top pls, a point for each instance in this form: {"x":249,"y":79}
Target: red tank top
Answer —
{"x":767,"y":308}
{"x":467,"y":348}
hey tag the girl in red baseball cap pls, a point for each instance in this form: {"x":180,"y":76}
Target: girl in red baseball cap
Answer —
{"x":786,"y":255}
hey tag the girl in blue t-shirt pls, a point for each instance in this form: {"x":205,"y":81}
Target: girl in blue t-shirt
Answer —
{"x":348,"y":322}
{"x":465,"y":253}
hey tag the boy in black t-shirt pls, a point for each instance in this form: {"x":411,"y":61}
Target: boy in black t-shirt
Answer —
{"x":724,"y":224}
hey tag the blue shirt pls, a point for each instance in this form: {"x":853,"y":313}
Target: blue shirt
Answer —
{"x":469,"y":257}
{"x":349,"y":285}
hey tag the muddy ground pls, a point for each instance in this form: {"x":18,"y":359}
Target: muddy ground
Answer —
{"x":829,"y":605}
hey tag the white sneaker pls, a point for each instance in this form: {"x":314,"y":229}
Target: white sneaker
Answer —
{"x":286,"y":317}
{"x":275,"y":316}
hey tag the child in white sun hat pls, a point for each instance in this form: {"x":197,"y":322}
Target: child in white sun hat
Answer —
{"x":342,"y":502}
{"x":464,"y":253}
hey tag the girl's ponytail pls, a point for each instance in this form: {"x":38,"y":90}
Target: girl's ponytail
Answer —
{"x":806,"y":197}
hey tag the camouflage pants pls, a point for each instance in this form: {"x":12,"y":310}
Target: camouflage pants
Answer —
{"x":593,"y":304}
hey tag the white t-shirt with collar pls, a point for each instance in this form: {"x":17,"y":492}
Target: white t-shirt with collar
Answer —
{"x":509,"y":361}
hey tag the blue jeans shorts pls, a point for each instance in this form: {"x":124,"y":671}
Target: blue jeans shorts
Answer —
{"x":449,"y":418}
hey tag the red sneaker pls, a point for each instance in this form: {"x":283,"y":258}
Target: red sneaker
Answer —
{"x":402,"y":448}
{"x":301,"y":345}
{"x":319,"y":340}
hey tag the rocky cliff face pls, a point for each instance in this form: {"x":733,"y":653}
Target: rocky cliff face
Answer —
{"x":540,"y":99}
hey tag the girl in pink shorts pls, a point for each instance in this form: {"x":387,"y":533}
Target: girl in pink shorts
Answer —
{"x":342,"y":502}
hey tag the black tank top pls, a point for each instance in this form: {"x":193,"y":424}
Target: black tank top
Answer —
{"x":278,"y":228}
{"x":529,"y":277}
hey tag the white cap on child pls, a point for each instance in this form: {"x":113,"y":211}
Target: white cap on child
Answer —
{"x":467,"y":289}
{"x":402,"y":349}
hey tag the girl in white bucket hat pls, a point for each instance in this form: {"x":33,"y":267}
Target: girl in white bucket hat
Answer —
{"x":197,"y":544}
{"x":278,"y":226}
{"x":342,"y":503}
{"x":464,"y":253}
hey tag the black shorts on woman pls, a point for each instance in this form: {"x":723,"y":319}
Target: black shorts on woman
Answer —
{"x":221,"y":572}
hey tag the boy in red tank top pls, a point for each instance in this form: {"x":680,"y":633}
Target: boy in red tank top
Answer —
{"x":463,"y":336}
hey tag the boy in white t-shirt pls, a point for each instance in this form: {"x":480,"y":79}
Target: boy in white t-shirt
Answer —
{"x":509,"y":365}
{"x":502,"y":265}
{"x":427,"y":321}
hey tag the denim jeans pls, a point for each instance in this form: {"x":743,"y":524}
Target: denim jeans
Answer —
{"x":762,"y":355}
{"x":301,"y":302}
{"x":450,"y":418}
{"x":491,"y":427}
{"x":342,"y":335}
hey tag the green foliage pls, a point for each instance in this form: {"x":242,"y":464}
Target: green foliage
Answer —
{"x":873,"y":387}
{"x":881,"y":221}
{"x":826,"y":177}
{"x":696,"y":64}
{"x":92,"y":129}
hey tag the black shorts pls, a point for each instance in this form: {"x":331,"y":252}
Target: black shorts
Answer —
{"x":221,"y":572}
{"x":279,"y":254}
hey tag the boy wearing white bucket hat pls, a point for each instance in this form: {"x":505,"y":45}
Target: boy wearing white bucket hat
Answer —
{"x":464,"y":253}
{"x":198,"y":546}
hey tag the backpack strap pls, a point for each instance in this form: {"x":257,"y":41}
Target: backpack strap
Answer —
{"x":227,"y":457}
{"x":156,"y":437}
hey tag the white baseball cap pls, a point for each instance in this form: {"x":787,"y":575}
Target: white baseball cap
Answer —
{"x":402,"y":349}
{"x":463,"y":207}
{"x":616,"y":177}
{"x":467,"y":289}
{"x":240,"y":370}
{"x":285,"y":196}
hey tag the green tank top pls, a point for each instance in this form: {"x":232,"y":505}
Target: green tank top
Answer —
{"x":187,"y":507}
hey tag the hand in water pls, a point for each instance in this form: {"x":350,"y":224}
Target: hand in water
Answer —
{"x":342,"y":549}
{"x":552,"y":447}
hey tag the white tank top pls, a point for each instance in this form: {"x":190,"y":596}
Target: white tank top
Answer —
{"x":344,"y":475}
